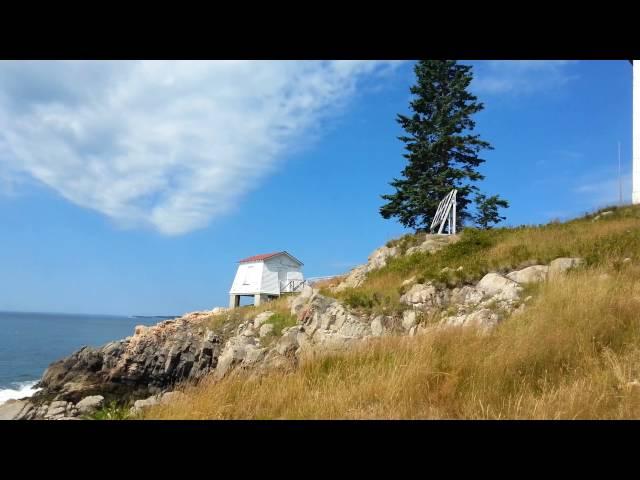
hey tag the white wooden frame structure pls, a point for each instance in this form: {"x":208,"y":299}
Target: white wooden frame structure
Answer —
{"x":446,"y":213}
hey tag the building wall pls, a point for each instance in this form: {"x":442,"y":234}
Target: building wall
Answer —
{"x":276,"y":270}
{"x":263,"y":277}
{"x":248,"y":279}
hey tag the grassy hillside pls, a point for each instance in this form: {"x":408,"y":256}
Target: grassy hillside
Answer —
{"x":574,"y":352}
{"x":603,"y":242}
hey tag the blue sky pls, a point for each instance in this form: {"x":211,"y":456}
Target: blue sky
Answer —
{"x":134,"y":187}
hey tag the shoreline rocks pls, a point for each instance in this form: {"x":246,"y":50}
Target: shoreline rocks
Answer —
{"x":146,"y":367}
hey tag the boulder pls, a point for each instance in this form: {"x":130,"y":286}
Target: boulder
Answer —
{"x":483,"y":318}
{"x":379,"y":257}
{"x":261,"y":318}
{"x":466,"y":295}
{"x":56,"y":409}
{"x":499,"y":287}
{"x":354,"y":279}
{"x":602,"y":215}
{"x":248,"y":331}
{"x":423,"y":296}
{"x":433,"y":243}
{"x":561,"y":265}
{"x":533,"y":274}
{"x":169,"y":397}
{"x":408,"y":281}
{"x":266,"y":329}
{"x":409,"y":319}
{"x":238,"y":351}
{"x":15,"y":409}
{"x":377,"y":326}
{"x":90,"y":404}
{"x":288,"y":343}
{"x":139,"y":405}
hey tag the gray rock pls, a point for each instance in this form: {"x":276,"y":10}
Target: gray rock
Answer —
{"x":533,"y":274}
{"x":483,"y":318}
{"x":288,"y":343}
{"x":408,"y":281}
{"x":561,"y":265}
{"x":170,"y":397}
{"x":376,"y":260}
{"x":355,"y":278}
{"x":261,"y":318}
{"x":423,"y":296}
{"x":15,"y":409}
{"x":377,"y":327}
{"x":248,"y":332}
{"x":409,"y":319}
{"x":156,"y":358}
{"x":379,"y":257}
{"x":90,"y":404}
{"x":56,"y":409}
{"x":603,"y":214}
{"x":238,"y":351}
{"x":266,"y":329}
{"x":139,"y":405}
{"x":466,"y":295}
{"x":499,"y":287}
{"x":433,"y":243}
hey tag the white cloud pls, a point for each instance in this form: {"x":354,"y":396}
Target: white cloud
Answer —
{"x":605,"y":191}
{"x":520,"y":76}
{"x":166,"y":144}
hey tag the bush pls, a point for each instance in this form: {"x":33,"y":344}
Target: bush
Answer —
{"x":112,"y":411}
{"x":280,"y":321}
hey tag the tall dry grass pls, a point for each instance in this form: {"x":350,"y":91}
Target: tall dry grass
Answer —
{"x":573,"y":353}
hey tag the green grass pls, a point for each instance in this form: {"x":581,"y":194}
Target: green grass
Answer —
{"x":229,"y":320}
{"x":111,"y":411}
{"x":280,"y":321}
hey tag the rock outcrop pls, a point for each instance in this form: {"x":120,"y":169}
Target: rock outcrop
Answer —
{"x":155,"y":358}
{"x":561,"y":265}
{"x":146,"y":367}
{"x":380,"y":256}
{"x":533,"y":274}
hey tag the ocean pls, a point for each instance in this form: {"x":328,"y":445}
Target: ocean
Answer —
{"x":29,"y":342}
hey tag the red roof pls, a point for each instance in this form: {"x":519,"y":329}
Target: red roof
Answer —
{"x":265,"y":256}
{"x":257,"y":258}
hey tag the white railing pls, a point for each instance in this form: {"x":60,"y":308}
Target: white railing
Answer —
{"x":446,"y":213}
{"x":290,"y":286}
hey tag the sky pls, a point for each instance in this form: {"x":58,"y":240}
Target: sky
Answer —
{"x":133,"y":188}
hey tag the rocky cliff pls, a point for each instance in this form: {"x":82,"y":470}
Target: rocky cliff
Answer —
{"x":147,"y":366}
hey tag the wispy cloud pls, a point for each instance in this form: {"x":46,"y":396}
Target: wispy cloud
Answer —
{"x":517,"y":77}
{"x":169,"y":145}
{"x":605,"y":191}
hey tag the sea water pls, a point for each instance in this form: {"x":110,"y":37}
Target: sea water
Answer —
{"x":29,"y":342}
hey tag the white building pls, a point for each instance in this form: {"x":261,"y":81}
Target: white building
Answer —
{"x":266,"y":276}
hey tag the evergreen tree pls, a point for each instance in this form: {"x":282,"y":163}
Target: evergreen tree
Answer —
{"x":441,"y":150}
{"x":488,"y":210}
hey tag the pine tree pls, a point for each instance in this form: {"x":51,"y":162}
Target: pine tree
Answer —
{"x":488,"y":210}
{"x":441,"y":150}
